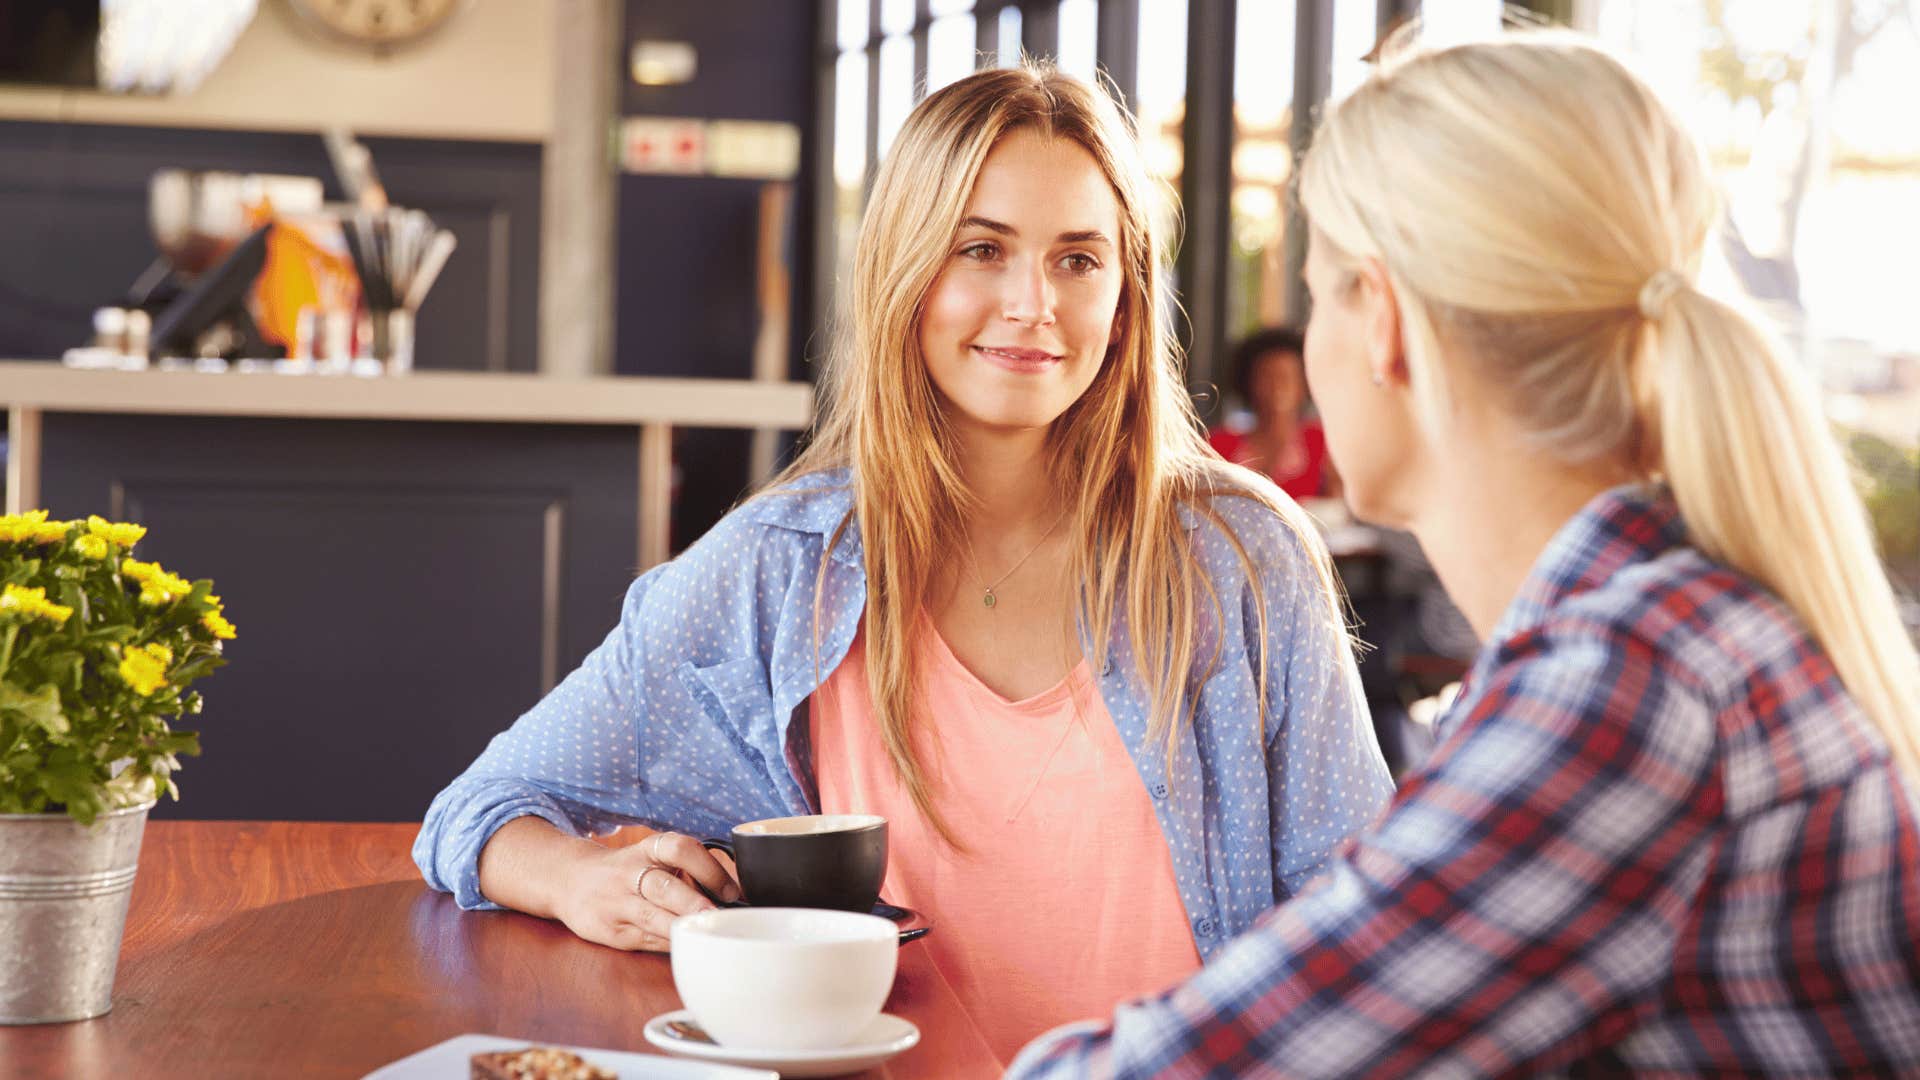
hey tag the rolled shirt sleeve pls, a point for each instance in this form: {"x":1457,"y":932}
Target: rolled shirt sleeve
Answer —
{"x":670,"y":722}
{"x":569,"y":760}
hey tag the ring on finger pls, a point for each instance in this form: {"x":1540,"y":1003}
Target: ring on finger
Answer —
{"x":640,"y":883}
{"x":653,"y":846}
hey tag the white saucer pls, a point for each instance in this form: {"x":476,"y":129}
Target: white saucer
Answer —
{"x":886,"y":1036}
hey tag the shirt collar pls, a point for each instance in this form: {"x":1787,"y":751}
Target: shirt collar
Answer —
{"x":1629,"y":524}
{"x":818,"y":502}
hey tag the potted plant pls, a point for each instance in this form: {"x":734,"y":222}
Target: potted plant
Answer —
{"x":97,"y":649}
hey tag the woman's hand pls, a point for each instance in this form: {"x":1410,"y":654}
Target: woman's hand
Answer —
{"x":626,"y":897}
{"x":629,"y":896}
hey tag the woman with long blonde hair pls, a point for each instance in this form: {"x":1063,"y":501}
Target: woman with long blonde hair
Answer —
{"x":1670,"y":827}
{"x":1096,"y":679}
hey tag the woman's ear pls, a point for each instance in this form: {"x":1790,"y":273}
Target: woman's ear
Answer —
{"x":1380,"y":306}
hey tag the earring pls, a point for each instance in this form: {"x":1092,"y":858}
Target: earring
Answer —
{"x":1379,"y":379}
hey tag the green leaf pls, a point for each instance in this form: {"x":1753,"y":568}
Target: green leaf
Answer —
{"x":196,"y":667}
{"x":179,"y":742}
{"x":196,"y":599}
{"x":41,"y":707}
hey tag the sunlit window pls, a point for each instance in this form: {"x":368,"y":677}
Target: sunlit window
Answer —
{"x":897,"y":96}
{"x":950,"y":50}
{"x":896,"y":16}
{"x":1079,"y":37}
{"x":1356,"y":27}
{"x":1821,"y":170}
{"x":1010,"y":32}
{"x":1262,"y":166}
{"x":1162,"y":92}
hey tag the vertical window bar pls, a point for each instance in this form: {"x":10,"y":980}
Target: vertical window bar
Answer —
{"x":1040,"y":28}
{"x":1390,"y":13}
{"x":1312,"y":80}
{"x":986,"y":34}
{"x":819,"y":284}
{"x":1119,"y":49}
{"x":1206,"y":184}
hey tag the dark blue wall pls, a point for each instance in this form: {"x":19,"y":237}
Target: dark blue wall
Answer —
{"x":688,"y":244}
{"x":392,"y":583}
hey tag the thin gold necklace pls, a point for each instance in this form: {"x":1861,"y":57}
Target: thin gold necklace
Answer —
{"x":988,"y":598}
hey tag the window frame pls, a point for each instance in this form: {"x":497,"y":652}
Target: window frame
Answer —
{"x":1206,"y":181}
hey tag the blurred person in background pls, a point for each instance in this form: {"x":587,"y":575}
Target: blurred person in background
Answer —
{"x":1277,"y":435}
{"x":1671,"y":826}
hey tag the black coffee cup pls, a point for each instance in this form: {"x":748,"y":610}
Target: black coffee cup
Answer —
{"x":818,"y":861}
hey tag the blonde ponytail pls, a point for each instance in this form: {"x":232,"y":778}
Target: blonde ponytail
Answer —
{"x":1541,"y":212}
{"x":1763,"y":487}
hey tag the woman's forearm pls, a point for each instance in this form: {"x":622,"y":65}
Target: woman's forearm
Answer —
{"x":527,"y":864}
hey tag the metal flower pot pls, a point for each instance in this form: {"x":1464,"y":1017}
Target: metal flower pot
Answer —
{"x":63,"y":904}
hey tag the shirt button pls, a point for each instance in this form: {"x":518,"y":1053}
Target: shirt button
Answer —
{"x":1106,"y":667}
{"x":1204,"y":927}
{"x":1159,"y":790}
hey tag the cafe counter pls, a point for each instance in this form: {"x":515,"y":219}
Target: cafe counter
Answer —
{"x":411,"y":561}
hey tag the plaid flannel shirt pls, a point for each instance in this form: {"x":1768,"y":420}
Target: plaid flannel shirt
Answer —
{"x":1658,"y":838}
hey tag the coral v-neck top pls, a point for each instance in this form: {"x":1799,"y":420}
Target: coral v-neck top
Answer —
{"x":1065,"y":903}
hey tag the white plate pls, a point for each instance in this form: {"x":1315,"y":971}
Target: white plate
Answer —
{"x":449,"y":1060}
{"x":886,"y":1036}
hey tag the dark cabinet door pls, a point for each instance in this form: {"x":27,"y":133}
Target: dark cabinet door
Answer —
{"x":402,"y":590}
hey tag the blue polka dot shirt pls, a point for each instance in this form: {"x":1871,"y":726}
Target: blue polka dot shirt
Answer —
{"x":684,"y":717}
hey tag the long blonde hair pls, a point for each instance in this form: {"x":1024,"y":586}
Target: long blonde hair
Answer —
{"x":1122,"y":457}
{"x":1538,"y":209}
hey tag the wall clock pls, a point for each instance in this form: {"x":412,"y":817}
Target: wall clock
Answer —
{"x":378,"y":25}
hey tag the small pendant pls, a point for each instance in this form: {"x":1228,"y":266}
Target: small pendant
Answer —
{"x":989,"y":599}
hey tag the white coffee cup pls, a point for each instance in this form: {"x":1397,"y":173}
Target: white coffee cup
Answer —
{"x":784,"y":978}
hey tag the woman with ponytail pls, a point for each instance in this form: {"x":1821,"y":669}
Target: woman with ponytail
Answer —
{"x":1670,"y":827}
{"x":1096,"y":679}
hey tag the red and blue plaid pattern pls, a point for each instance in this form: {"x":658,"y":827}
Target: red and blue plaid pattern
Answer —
{"x":1658,"y":838}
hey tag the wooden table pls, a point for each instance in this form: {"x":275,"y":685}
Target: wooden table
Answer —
{"x":313,"y":950}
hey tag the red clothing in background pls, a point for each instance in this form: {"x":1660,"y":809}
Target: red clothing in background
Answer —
{"x":1310,"y":481}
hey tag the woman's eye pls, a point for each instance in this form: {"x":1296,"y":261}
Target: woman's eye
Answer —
{"x":1081,"y":263}
{"x":980,"y":250}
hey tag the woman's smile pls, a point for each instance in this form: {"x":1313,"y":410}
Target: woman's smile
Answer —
{"x":1021,"y":361}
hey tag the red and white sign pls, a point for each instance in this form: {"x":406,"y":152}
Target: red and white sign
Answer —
{"x":658,"y":144}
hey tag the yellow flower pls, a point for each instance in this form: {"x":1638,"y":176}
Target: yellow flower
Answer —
{"x":92,"y":547}
{"x":25,"y":526}
{"x":157,"y":586}
{"x":217,"y":625}
{"x":115,"y":531}
{"x":29,"y":603}
{"x":145,"y":668}
{"x":33,"y":526}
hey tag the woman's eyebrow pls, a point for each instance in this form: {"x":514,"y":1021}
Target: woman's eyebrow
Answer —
{"x":1071,"y":236}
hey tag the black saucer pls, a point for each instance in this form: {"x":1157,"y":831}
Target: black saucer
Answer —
{"x":913,"y":925}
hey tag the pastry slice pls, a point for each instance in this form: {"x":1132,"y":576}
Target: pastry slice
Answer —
{"x":536,"y":1063}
